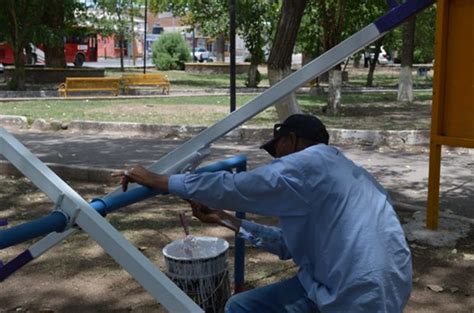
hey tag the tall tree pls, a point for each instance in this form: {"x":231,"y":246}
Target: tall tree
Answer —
{"x":373,"y":62}
{"x":333,"y":18}
{"x":19,"y":20}
{"x":326,"y":23}
{"x":114,"y":20}
{"x":256,"y":19}
{"x":59,"y":18}
{"x":405,"y":84}
{"x":255,"y":22}
{"x":210,"y":17}
{"x":279,"y":61}
{"x":53,"y":19}
{"x":425,"y":36}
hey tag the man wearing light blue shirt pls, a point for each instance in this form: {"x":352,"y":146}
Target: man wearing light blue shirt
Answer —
{"x":335,"y":222}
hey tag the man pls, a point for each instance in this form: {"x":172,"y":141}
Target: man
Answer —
{"x":335,"y":221}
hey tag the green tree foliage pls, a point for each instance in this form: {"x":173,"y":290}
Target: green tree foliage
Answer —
{"x":279,"y":60}
{"x":170,"y":52}
{"x":425,"y":36}
{"x":19,"y":20}
{"x":59,"y":19}
{"x":255,"y":21}
{"x":113,"y":20}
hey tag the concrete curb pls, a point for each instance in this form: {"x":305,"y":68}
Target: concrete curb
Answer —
{"x":244,"y":133}
{"x":67,"y":172}
{"x":379,"y":137}
{"x":13,"y":121}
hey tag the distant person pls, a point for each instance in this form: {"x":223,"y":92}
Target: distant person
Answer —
{"x":335,"y":222}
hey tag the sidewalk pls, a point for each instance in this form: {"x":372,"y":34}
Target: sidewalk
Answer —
{"x":404,"y":173}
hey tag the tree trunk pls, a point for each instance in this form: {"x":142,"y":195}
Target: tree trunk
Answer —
{"x":288,"y":105}
{"x":134,"y":57}
{"x":19,"y":80}
{"x":220,"y":48}
{"x":54,"y":56}
{"x":54,"y":49}
{"x":279,"y":61}
{"x":252,"y":75}
{"x":18,"y":45}
{"x":122,"y":69}
{"x":405,"y":84}
{"x":334,"y":91}
{"x":373,"y":63}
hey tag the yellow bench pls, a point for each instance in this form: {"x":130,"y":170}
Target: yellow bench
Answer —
{"x":153,"y":79}
{"x":77,"y":84}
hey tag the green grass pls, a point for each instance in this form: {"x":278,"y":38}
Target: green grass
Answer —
{"x":387,"y":79}
{"x":359,"y":111}
{"x":383,"y":77}
{"x":183,"y":80}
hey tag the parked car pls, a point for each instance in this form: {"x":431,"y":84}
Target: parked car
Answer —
{"x":201,"y":54}
{"x":383,"y":58}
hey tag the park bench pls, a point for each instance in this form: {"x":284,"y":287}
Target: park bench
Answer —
{"x":155,"y":80}
{"x":89,"y":84}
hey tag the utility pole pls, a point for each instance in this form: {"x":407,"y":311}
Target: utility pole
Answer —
{"x":232,"y":55}
{"x":145,"y":44}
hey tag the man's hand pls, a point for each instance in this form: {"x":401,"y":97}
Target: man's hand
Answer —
{"x":204,"y":213}
{"x":140,"y":175}
{"x":212,"y":216}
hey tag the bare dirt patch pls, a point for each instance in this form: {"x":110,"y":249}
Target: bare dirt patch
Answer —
{"x":78,"y":276}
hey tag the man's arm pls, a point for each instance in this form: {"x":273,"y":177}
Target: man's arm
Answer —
{"x":140,"y":175}
{"x":265,"y":237}
{"x":268,"y":238}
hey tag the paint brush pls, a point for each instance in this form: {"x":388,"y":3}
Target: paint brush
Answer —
{"x":184,"y":222}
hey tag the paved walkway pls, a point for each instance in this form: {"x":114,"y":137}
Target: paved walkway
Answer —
{"x":403,"y":172}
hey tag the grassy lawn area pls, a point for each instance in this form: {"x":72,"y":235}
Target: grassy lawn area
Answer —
{"x":359,"y":111}
{"x":184,"y":80}
{"x":383,"y":77}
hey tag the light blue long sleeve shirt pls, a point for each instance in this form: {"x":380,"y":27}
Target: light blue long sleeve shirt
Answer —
{"x":335,"y":221}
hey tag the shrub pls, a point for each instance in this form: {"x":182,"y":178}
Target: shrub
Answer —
{"x":170,"y":52}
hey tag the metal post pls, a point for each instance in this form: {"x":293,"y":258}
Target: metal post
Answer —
{"x":145,"y":43}
{"x":80,"y":213}
{"x":232,"y":55}
{"x":194,"y":44}
{"x":239,"y":257}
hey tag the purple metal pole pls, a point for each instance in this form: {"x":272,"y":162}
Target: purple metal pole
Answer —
{"x":392,"y":3}
{"x":400,"y":13}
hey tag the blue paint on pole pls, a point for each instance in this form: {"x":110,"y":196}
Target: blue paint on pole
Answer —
{"x":56,"y":221}
{"x":239,"y":257}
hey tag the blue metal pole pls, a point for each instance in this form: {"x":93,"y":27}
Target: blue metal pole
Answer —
{"x":239,"y":257}
{"x":56,"y":221}
{"x":224,"y":165}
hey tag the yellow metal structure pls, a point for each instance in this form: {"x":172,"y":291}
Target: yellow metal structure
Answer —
{"x":452,"y":121}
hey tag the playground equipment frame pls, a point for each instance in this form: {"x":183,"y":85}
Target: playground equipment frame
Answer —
{"x":72,"y":210}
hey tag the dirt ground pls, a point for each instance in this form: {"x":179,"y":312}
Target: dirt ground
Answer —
{"x":78,"y":276}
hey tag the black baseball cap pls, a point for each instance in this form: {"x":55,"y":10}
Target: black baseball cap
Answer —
{"x":303,"y":126}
